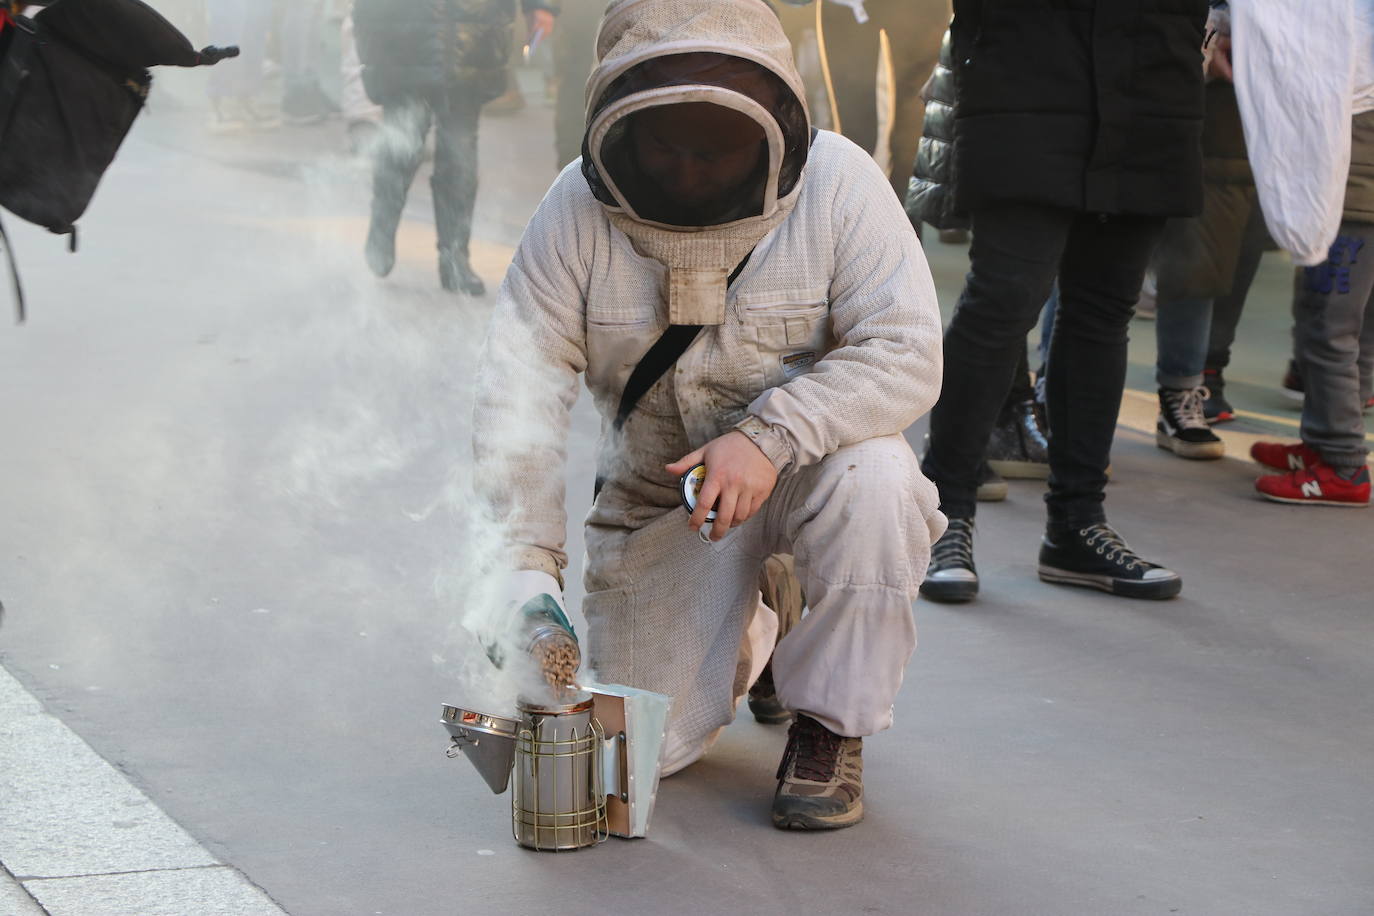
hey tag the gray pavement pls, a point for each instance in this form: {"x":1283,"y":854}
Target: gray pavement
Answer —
{"x":223,"y":518}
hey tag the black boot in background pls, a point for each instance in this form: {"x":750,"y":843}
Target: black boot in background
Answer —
{"x":1018,"y":448}
{"x":454,"y":185}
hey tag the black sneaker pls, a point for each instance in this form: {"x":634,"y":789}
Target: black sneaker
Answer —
{"x":992,"y":488}
{"x":1181,"y":428}
{"x":1018,"y":448}
{"x":1215,"y":407}
{"x":1096,"y":557}
{"x":952,"y":577}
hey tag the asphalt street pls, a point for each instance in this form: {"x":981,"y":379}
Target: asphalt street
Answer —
{"x":231,"y":526}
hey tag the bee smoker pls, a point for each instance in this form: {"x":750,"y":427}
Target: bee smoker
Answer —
{"x":583,"y":770}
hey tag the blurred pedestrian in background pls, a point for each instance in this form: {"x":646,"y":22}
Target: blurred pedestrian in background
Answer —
{"x":1077,"y":132}
{"x":233,"y":90}
{"x":573,"y":56}
{"x":302,"y":31}
{"x":437,"y":64}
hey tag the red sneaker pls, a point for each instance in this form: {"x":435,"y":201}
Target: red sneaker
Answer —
{"x":1284,"y":457}
{"x":1318,"y":485}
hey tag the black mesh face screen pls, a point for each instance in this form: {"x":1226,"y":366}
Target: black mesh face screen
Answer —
{"x":647,"y":197}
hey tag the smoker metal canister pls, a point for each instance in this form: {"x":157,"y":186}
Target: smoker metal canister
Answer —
{"x":558,"y":800}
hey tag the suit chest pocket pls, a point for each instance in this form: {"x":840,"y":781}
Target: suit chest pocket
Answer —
{"x":789,"y":336}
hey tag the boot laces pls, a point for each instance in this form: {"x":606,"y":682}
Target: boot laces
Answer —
{"x":1186,"y":406}
{"x":955,"y":548}
{"x":813,"y":748}
{"x":1109,"y":544}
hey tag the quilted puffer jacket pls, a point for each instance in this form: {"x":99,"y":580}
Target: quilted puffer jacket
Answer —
{"x":930,"y":195}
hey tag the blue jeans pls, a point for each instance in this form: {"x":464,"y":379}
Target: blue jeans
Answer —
{"x":1182,"y":330}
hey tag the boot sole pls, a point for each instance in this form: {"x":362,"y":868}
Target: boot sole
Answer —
{"x":1156,"y":590}
{"x":1338,"y":504}
{"x":800,"y":821}
{"x":1196,"y":451}
{"x":949,"y":592}
{"x":1021,"y":470}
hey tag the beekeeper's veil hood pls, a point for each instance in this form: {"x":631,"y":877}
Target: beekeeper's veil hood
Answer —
{"x":727,"y":53}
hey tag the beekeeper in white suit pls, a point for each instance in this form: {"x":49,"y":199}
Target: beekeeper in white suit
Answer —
{"x":763,"y":281}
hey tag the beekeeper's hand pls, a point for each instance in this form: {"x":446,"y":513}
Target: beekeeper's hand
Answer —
{"x":739,"y":479}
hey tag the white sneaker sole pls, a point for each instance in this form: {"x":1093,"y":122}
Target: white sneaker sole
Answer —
{"x":1154,"y":589}
{"x":1196,"y":451}
{"x":1338,"y":504}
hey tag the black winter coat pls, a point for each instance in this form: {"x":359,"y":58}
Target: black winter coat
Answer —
{"x":424,"y":48}
{"x":1093,"y":105}
{"x":930,"y":195}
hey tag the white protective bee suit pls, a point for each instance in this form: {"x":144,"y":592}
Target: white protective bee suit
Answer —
{"x":829,"y":338}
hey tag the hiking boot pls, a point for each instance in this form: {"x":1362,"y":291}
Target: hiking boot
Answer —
{"x":1095,"y":556}
{"x":1018,"y":448}
{"x":456,"y":273}
{"x":763,"y":700}
{"x":820,"y":779}
{"x":1215,"y":407}
{"x":1292,"y":385}
{"x":1181,"y":427}
{"x":991,"y":487}
{"x":952,"y":577}
{"x":1317,"y":485}
{"x":1282,"y":457}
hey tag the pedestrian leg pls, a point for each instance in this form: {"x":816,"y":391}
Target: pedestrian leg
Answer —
{"x":397,"y":157}
{"x":454,"y":184}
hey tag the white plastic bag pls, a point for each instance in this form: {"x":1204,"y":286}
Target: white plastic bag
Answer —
{"x":1295,"y":66}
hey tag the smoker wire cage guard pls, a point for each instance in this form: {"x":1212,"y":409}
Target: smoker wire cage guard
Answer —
{"x":558,"y":799}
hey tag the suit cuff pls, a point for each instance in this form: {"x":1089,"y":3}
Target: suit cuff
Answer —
{"x":536,"y":560}
{"x":771,"y":440}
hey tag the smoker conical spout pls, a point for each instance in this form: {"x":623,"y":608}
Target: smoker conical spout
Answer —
{"x":487,"y":741}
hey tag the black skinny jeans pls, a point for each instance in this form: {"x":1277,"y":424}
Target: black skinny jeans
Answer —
{"x":1016,"y":253}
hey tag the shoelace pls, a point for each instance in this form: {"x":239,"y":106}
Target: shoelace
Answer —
{"x":955,"y":548}
{"x":815,"y":749}
{"x":1187,"y":407}
{"x":1110,"y":545}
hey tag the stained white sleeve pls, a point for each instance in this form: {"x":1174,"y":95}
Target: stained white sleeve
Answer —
{"x":886,"y":367}
{"x":527,"y":381}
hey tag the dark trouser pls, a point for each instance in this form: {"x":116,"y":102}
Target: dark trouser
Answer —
{"x":914,"y":29}
{"x":1015,"y":255}
{"x":1333,"y":310}
{"x":1226,"y":309}
{"x":454,"y":182}
{"x":574,"y":44}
